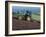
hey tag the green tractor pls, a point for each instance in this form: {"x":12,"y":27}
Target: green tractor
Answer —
{"x":28,"y":15}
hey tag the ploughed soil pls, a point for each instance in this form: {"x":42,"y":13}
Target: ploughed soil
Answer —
{"x":24,"y":25}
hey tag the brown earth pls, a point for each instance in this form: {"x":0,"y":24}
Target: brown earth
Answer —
{"x":24,"y":25}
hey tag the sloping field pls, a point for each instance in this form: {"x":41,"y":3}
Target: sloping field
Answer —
{"x":35,"y":17}
{"x":24,"y":25}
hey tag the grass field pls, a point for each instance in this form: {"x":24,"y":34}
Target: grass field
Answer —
{"x":17,"y":15}
{"x":36,"y":17}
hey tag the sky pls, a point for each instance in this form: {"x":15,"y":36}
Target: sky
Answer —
{"x":23,"y":9}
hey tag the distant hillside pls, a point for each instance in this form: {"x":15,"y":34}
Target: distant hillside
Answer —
{"x":35,"y":10}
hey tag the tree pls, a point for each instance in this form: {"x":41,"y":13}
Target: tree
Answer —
{"x":30,"y":13}
{"x":17,"y":12}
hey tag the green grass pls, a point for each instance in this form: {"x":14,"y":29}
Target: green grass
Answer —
{"x":17,"y":15}
{"x":36,"y":17}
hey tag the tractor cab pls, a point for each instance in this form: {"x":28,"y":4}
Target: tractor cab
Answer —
{"x":28,"y":15}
